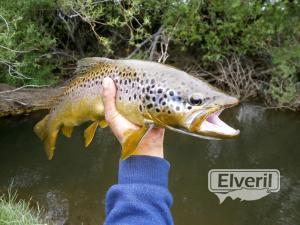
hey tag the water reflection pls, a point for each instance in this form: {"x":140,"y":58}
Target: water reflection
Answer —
{"x":72,"y":186}
{"x":57,"y":207}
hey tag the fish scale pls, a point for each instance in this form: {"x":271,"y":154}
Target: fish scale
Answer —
{"x":148,"y":94}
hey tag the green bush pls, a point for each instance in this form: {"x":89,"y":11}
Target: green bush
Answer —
{"x":45,"y":38}
{"x":25,"y":44}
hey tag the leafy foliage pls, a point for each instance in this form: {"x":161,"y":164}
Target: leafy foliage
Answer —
{"x":40,"y":39}
{"x":24,"y":44}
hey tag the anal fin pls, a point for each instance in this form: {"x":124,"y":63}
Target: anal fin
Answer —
{"x":67,"y":131}
{"x":89,"y":133}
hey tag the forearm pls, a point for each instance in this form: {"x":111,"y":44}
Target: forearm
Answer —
{"x":141,"y":195}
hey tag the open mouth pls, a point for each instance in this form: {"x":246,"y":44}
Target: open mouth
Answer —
{"x":213,"y":125}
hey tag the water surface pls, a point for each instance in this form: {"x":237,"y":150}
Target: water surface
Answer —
{"x":72,"y":186}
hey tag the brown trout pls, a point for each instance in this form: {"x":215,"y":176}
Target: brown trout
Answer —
{"x":148,"y":94}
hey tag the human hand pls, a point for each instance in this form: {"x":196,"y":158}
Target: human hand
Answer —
{"x":151,"y":144}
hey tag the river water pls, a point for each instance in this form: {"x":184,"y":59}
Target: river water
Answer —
{"x":71,"y":188}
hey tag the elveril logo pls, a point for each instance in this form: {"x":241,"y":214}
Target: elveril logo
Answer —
{"x":245,"y":184}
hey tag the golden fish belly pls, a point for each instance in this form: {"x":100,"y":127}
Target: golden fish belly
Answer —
{"x":82,"y":110}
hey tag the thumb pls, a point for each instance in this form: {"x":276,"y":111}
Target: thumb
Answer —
{"x":109,"y":99}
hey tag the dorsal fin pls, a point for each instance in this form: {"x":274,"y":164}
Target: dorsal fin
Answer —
{"x":86,"y":64}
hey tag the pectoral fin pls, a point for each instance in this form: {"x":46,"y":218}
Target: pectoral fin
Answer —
{"x":132,"y":139}
{"x":103,"y":124}
{"x":89,"y":133}
{"x":67,"y":131}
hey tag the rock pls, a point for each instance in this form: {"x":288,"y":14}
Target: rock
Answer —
{"x":25,"y":100}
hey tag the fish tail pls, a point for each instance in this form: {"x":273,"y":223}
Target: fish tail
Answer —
{"x":40,"y":128}
{"x":47,"y":135}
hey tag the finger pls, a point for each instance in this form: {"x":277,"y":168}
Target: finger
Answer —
{"x":152,"y":143}
{"x":109,"y":99}
{"x":157,"y":133}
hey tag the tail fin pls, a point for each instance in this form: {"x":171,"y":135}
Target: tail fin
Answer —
{"x":47,"y":134}
{"x":40,"y":128}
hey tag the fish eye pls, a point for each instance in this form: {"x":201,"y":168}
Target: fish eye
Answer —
{"x":195,"y":100}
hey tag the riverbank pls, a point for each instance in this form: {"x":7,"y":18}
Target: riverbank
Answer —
{"x":14,"y":211}
{"x":26,"y":100}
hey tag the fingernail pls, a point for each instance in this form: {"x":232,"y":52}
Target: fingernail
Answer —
{"x":105,"y":82}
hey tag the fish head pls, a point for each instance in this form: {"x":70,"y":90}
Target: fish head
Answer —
{"x":191,"y":106}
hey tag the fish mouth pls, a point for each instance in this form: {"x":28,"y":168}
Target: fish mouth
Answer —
{"x":209,"y":124}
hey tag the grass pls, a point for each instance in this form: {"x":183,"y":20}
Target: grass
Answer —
{"x":18,"y":212}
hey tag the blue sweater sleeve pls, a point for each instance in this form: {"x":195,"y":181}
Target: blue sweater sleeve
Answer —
{"x":141,"y":196}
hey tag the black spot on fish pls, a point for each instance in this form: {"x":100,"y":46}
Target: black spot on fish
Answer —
{"x":152,"y":81}
{"x":169,"y":111}
{"x":165,"y":96}
{"x":159,"y":91}
{"x":129,"y":98}
{"x":153,"y":99}
{"x":147,"y":81}
{"x":148,"y":88}
{"x":137,"y":79}
{"x":147,"y":97}
{"x":189,"y":107}
{"x":160,"y":100}
{"x":157,"y":110}
{"x":140,"y":107}
{"x":179,"y":98}
{"x":149,"y":106}
{"x":171,"y":93}
{"x":134,"y":96}
{"x":143,"y":90}
{"x":163,"y":103}
{"x":125,"y":82}
{"x":151,"y":92}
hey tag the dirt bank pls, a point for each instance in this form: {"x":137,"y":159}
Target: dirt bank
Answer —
{"x":26,"y":100}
